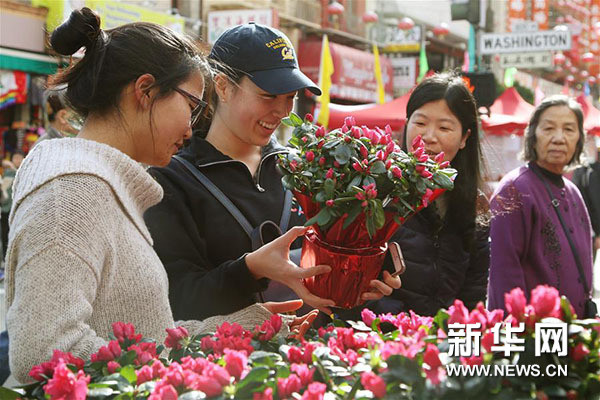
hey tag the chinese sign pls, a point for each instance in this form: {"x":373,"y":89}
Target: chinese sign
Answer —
{"x":526,"y":60}
{"x":405,"y":72}
{"x":219,"y":21}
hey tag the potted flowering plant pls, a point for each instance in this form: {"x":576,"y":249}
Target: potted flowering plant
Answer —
{"x":404,"y":356}
{"x":356,"y":187}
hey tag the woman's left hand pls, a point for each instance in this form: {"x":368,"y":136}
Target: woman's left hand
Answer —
{"x":385,"y":288}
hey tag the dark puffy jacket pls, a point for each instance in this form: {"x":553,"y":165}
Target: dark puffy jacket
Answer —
{"x":441,"y":265}
{"x":200,"y":244}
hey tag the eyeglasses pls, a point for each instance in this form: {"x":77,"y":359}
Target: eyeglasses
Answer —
{"x":199,"y":105}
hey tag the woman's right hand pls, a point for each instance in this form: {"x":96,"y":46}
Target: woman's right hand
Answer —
{"x":273,"y":261}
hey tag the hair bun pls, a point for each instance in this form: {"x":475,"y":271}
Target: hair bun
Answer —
{"x":81,"y":29}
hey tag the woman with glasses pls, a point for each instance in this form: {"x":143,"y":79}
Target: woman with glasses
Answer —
{"x":206,"y":251}
{"x":80,"y":257}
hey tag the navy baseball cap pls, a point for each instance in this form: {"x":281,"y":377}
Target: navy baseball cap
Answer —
{"x":265,"y":55}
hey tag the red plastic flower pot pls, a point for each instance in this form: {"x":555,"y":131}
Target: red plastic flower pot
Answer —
{"x":351,"y":273}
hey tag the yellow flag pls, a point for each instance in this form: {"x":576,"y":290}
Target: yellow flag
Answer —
{"x":325,"y":72}
{"x":378,"y":77}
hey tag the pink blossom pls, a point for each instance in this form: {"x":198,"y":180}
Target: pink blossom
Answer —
{"x":304,"y":373}
{"x":309,"y":117}
{"x":107,"y":353}
{"x":439,"y":157}
{"x":444,"y":164}
{"x":47,"y":368}
{"x":330,"y":203}
{"x":65,"y":385}
{"x":515,"y":302}
{"x":376,"y":138}
{"x":163,"y":392}
{"x":374,"y":383}
{"x":304,"y":139}
{"x":357,"y":167}
{"x":320,"y":144}
{"x":368,"y":316}
{"x":320,"y":132}
{"x":303,"y":355}
{"x":123,"y":331}
{"x":293,"y":165}
{"x":397,"y":172}
{"x":417,"y":142}
{"x":434,"y":372}
{"x":112,"y":367}
{"x":315,"y":391}
{"x":427,"y":197}
{"x":146,"y":352}
{"x":329,"y":174}
{"x":418,"y":152}
{"x":267,"y":394}
{"x":235,"y":363}
{"x":388,"y":164}
{"x":364,"y":152}
{"x":546,"y":301}
{"x":487,"y":341}
{"x":336,"y":164}
{"x":144,"y":374}
{"x":473,"y":360}
{"x":579,"y":352}
{"x":174,"y":336}
{"x":390,"y":147}
{"x":349,"y":121}
{"x":356,"y":132}
{"x":426,"y":174}
{"x":289,"y":385}
{"x":458,"y":313}
{"x":310,"y":156}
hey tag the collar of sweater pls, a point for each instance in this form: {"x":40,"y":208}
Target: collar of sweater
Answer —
{"x":132,"y":185}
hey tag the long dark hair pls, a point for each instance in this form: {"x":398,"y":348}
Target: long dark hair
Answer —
{"x":529,"y":153}
{"x":463,"y":200}
{"x":118,"y":56}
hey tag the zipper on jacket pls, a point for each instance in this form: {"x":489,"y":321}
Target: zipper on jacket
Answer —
{"x":260,"y":164}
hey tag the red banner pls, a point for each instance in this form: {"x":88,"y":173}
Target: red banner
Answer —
{"x":517,"y":10}
{"x":354,"y":71}
{"x":540,"y":13}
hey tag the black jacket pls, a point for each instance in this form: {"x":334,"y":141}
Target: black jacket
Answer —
{"x":442,"y":265}
{"x":200,"y":244}
{"x":587,"y":179}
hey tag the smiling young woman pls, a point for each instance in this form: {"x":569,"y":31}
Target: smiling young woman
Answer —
{"x":208,"y":255}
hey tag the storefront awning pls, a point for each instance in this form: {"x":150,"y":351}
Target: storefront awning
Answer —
{"x":34,"y":63}
{"x":354,"y":71}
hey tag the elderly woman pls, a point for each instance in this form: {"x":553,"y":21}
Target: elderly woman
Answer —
{"x":540,"y":228}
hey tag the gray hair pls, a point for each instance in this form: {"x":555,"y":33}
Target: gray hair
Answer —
{"x":529,"y":153}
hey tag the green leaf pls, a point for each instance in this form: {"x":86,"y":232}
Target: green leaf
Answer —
{"x":368,"y":180}
{"x":323,"y":217}
{"x":371,"y":226}
{"x":443,"y":181}
{"x":99,"y":392}
{"x":7,"y":394}
{"x":321,"y":197}
{"x":256,"y":376}
{"x":329,"y":187}
{"x":312,"y":221}
{"x":342,"y":154}
{"x":378,"y":167}
{"x":288,"y":182}
{"x":193,"y":395}
{"x":354,"y":212}
{"x":354,"y":182}
{"x":288,"y":122}
{"x":128,"y":358}
{"x":379,"y":215}
{"x":331,"y":144}
{"x":128,"y":372}
{"x":296,"y":120}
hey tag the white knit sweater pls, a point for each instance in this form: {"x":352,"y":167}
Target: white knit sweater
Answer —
{"x":80,"y":256}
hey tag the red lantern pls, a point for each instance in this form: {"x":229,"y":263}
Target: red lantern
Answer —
{"x":370,"y":17}
{"x":570,"y":79}
{"x":573,"y":69}
{"x":592,"y":80}
{"x":406,"y":24}
{"x":559,"y":59}
{"x":441,"y":30}
{"x":587,"y":57}
{"x":335,"y":8}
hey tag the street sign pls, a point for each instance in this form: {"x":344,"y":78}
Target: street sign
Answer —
{"x":405,"y":72}
{"x":494,"y":43}
{"x":526,"y":60}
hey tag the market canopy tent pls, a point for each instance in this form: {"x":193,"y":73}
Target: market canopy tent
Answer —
{"x":509,"y":115}
{"x":392,"y":113}
{"x":591,"y":116}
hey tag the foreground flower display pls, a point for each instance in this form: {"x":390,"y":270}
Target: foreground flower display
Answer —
{"x":356,"y":187}
{"x":403,"y":356}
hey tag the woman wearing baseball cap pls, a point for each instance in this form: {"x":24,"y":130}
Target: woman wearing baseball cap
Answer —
{"x":196,"y":229}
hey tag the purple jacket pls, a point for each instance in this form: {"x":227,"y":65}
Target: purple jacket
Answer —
{"x":529,"y":247}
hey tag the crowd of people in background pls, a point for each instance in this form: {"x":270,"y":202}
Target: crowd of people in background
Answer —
{"x":93,"y":232}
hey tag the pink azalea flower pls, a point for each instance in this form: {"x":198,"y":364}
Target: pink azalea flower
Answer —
{"x":458,"y":313}
{"x":315,"y":391}
{"x":163,"y":392}
{"x":310,"y":156}
{"x":235,"y":363}
{"x":546,"y":301}
{"x":174,"y":336}
{"x":515,"y":302}
{"x":123,"y":331}
{"x":289,"y":385}
{"x":267,"y":394}
{"x":309,"y":117}
{"x":374,"y":383}
{"x":65,"y":385}
{"x":144,"y":374}
{"x":579,"y":352}
{"x":367,"y":316}
{"x":433,"y":369}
